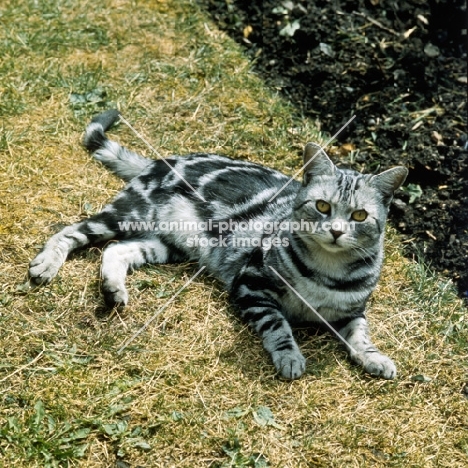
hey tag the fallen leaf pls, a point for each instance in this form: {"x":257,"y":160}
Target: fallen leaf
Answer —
{"x":264,"y":417}
{"x":247,"y":31}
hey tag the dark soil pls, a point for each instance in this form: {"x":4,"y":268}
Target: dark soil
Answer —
{"x":400,"y":67}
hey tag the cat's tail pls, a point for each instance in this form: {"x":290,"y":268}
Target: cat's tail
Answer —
{"x":122,"y":162}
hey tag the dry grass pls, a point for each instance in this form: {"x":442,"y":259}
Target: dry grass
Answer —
{"x":192,"y":390}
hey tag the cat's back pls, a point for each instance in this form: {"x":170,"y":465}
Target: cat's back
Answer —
{"x":228,"y":186}
{"x":227,"y":178}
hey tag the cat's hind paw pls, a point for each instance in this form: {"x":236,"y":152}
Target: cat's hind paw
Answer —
{"x":290,"y":364}
{"x":44,"y":267}
{"x":379,"y":365}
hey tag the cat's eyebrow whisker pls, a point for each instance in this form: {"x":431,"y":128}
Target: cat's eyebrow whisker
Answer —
{"x":162,"y":309}
{"x":322,"y":148}
{"x":313,"y":309}
{"x":153,"y":149}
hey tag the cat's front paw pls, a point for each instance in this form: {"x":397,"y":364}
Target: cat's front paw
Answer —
{"x":290,"y":364}
{"x":44,"y":267}
{"x":379,"y":365}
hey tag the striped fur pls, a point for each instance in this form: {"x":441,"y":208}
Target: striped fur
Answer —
{"x":334,"y":270}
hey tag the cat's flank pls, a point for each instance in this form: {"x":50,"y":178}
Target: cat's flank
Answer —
{"x":282,"y":251}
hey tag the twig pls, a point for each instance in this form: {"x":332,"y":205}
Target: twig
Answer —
{"x":377,"y":23}
{"x":23,"y":367}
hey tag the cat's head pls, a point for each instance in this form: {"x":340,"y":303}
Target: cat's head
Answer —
{"x":345,"y":210}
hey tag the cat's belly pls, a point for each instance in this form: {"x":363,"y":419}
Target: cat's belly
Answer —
{"x":318,"y":302}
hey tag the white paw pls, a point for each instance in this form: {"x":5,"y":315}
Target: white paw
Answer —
{"x":115,"y":295}
{"x":44,"y":267}
{"x":290,"y":364}
{"x":379,"y":365}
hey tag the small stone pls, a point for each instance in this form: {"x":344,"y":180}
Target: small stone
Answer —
{"x":326,"y":49}
{"x":436,"y":136}
{"x":465,"y":387}
{"x":431,"y":50}
{"x":400,"y":204}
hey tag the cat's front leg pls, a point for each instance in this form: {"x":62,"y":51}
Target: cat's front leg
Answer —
{"x":255,"y":293}
{"x":279,"y":342}
{"x":364,"y":352}
{"x":264,"y":316}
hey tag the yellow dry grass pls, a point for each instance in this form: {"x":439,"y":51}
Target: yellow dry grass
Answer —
{"x":192,"y":389}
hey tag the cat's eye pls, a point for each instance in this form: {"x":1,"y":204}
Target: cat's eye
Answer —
{"x":359,"y":215}
{"x":323,"y":206}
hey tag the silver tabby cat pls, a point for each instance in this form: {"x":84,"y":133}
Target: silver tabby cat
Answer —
{"x":320,"y":250}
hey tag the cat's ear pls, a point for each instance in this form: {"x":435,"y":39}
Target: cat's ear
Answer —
{"x":389,"y":181}
{"x":316,"y":162}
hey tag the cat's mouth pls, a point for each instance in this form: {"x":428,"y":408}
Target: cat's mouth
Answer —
{"x":333,"y":246}
{"x":330,"y":245}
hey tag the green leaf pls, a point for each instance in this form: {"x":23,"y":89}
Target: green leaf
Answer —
{"x":39,"y":412}
{"x":77,"y":99}
{"x":116,"y":409}
{"x":115,"y":429}
{"x":235,"y":413}
{"x":327,"y":50}
{"x":87,"y":207}
{"x":77,"y":435}
{"x":96,"y":95}
{"x":138,"y":442}
{"x":13,"y":424}
{"x":177,"y":416}
{"x":264,"y":417}
{"x":414,"y":191}
{"x":420,"y":378}
{"x":24,"y":287}
{"x":232,"y":447}
{"x":80,"y":450}
{"x":258,"y":461}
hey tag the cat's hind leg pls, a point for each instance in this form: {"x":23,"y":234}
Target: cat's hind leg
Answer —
{"x":120,"y":257}
{"x":46,"y":264}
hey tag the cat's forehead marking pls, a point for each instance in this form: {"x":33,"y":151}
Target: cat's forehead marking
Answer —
{"x":342,"y":187}
{"x":345,"y":188}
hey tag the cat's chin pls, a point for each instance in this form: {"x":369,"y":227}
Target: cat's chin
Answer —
{"x":333,"y":248}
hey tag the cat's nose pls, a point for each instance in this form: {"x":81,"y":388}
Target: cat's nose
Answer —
{"x":336,"y":234}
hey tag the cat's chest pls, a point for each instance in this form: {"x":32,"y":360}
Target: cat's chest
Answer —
{"x":304,"y":299}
